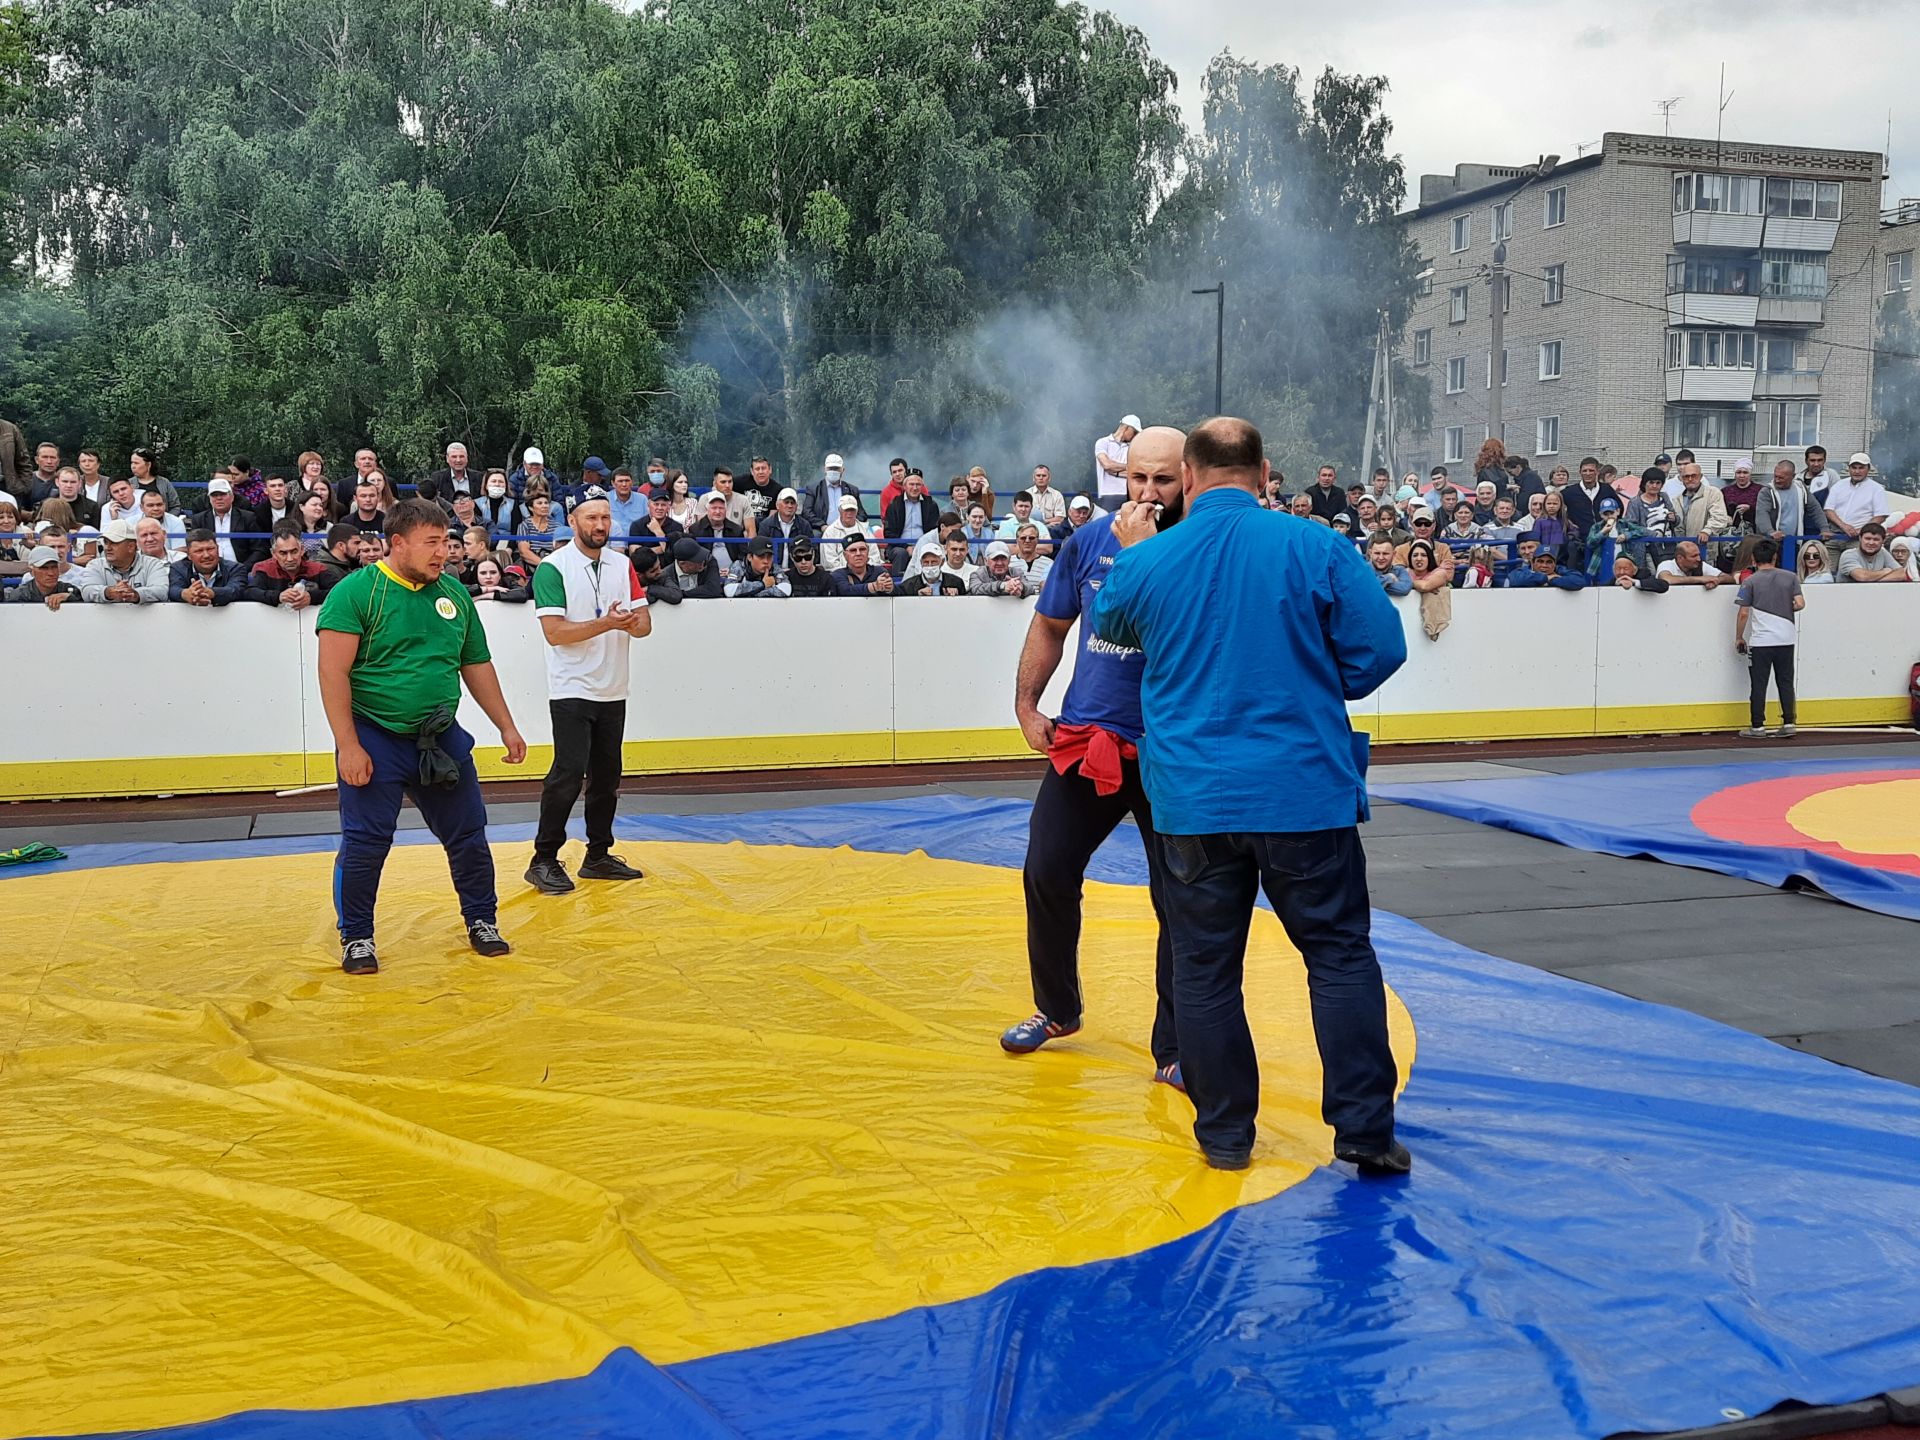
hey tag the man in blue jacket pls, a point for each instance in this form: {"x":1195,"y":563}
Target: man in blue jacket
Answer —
{"x":1257,"y":778}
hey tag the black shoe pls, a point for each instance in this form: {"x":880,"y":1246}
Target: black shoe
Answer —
{"x":1228,"y":1159}
{"x":549,"y":877}
{"x":608,"y":867}
{"x":486,"y":938}
{"x":1394,"y":1160}
{"x":357,"y":958}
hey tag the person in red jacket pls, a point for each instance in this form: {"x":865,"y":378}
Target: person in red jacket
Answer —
{"x":289,"y":580}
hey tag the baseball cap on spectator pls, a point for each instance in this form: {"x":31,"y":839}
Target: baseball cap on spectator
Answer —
{"x":1609,"y":502}
{"x":532,"y":456}
{"x":219,"y":485}
{"x":1132,"y":422}
{"x":998,"y":550}
{"x":801,"y":550}
{"x":847,"y":502}
{"x":688,"y":549}
{"x":42,"y":555}
{"x":117,"y":532}
{"x":1860,"y":457}
{"x":1405,"y":493}
{"x":1080,"y":502}
{"x":1343,"y":518}
{"x":834,"y":462}
{"x":760,"y":545}
{"x":595,"y":466}
{"x":1663,"y":459}
{"x":593,"y":492}
{"x":787,"y":494}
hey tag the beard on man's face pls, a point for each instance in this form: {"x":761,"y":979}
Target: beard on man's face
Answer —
{"x":1171,"y":511}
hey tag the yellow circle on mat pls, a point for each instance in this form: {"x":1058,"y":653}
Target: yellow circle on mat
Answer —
{"x":1881,"y":817}
{"x":754,"y":1096}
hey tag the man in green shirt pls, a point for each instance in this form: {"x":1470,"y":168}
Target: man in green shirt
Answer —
{"x":397,"y":638}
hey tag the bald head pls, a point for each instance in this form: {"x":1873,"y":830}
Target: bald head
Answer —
{"x":1224,"y":451}
{"x":1153,"y":470}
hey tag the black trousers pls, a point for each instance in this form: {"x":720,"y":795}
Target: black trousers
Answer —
{"x":586,"y":749}
{"x":1317,"y":882}
{"x":1070,"y":821}
{"x":1775,"y":660}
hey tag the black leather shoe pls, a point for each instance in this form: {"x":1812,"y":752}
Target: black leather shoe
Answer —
{"x":1394,"y":1160}
{"x":549,"y":877}
{"x":1228,"y":1159}
{"x":608,"y":867}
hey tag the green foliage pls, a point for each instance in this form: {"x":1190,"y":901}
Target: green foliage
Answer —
{"x":709,"y":230}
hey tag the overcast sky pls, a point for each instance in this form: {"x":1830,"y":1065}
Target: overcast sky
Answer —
{"x":1504,"y":82}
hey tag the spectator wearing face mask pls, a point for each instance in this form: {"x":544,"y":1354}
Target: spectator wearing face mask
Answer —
{"x":205,"y":578}
{"x":929,"y":575}
{"x":496,"y":508}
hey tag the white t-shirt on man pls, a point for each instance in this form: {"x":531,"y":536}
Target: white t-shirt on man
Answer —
{"x":573,"y":587}
{"x":1108,"y":448}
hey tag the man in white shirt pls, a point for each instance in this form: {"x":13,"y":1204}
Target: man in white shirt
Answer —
{"x":1110,"y":463}
{"x":1854,"y":502}
{"x":833,"y":557}
{"x":123,"y":502}
{"x":1689,"y":567}
{"x":583,"y":596}
{"x":1048,"y":503}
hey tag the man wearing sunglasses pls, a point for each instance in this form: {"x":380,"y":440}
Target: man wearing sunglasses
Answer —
{"x":1420,"y":523}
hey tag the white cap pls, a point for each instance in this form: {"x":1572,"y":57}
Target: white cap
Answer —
{"x":1742,"y":464}
{"x":834,"y":462}
{"x":788,"y":494}
{"x":998,"y":551}
{"x":847,"y":502}
{"x":219,"y":486}
{"x":1132,"y":422}
{"x":117,"y":532}
{"x":713,"y":495}
{"x":1860,"y":457}
{"x":1080,"y":502}
{"x":532,"y":456}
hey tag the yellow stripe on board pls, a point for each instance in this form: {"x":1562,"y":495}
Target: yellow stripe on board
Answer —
{"x":214,"y":774}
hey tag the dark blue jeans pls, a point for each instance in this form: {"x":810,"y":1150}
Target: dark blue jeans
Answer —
{"x":1317,"y":883}
{"x":369,"y":813}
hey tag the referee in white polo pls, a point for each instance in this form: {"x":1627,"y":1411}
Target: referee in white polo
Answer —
{"x":584,"y":596}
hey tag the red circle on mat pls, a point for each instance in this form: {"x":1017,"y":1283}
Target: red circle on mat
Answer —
{"x":1756,"y":814}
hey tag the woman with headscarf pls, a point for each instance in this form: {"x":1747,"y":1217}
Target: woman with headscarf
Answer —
{"x":1902,"y":550}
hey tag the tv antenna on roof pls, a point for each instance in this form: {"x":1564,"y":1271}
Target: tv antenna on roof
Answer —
{"x":1665,"y":107}
{"x":1583,"y":146}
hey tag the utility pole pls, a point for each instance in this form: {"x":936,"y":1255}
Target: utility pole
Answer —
{"x":1373,"y":399}
{"x":1219,"y":292}
{"x":1499,"y":341}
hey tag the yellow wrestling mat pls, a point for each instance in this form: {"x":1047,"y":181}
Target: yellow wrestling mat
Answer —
{"x":724,"y":1106}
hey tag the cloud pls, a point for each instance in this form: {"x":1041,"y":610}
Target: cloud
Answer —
{"x":1594,"y":37}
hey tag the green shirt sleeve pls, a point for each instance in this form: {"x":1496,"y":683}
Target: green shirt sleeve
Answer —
{"x":473,"y":650}
{"x":549,"y":589}
{"x":344,"y":608}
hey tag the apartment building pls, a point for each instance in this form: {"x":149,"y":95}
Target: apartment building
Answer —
{"x":1659,"y":292}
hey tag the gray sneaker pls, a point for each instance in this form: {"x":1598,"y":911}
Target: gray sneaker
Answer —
{"x":1785,"y":732}
{"x":1756,"y":732}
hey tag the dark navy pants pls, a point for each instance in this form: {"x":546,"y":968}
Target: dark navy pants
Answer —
{"x":368,"y":814}
{"x":1070,"y":821}
{"x":1317,"y":883}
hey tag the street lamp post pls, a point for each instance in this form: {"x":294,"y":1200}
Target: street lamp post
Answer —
{"x":1219,"y":292}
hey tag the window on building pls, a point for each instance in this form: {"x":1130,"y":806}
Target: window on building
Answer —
{"x":1462,"y":231}
{"x":1426,"y":278}
{"x":1717,"y":194}
{"x":1676,"y":349}
{"x":1793,"y":275}
{"x":1456,"y":374}
{"x":1457,"y":305}
{"x":1546,"y":435}
{"x":1788,"y":424}
{"x":1506,"y":294}
{"x":1716,"y":349}
{"x":1550,"y":360}
{"x":1900,"y":271}
{"x":1503,"y":368}
{"x":1554,"y":208}
{"x":1709,"y":275}
{"x":1456,"y":443}
{"x":1803,"y":199}
{"x":1707,"y":428}
{"x":1422,"y":346}
{"x":1682,"y":193}
{"x":1555,"y":285}
{"x":1780,"y":354}
{"x":1502,"y":222}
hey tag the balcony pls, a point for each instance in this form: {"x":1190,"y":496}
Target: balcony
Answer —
{"x":1791,"y":305}
{"x":1728,"y":232}
{"x":1710,"y":384}
{"x":1694,"y":308}
{"x":1787,"y":385}
{"x":1792,"y":233}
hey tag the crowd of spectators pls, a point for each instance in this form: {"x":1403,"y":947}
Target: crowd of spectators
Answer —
{"x":71,"y":532}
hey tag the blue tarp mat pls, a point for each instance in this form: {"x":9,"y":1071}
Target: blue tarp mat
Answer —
{"x":1623,"y":1217}
{"x":1652,"y":812}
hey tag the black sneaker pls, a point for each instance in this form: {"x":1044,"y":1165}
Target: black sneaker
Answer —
{"x":549,"y":877}
{"x":608,"y":867}
{"x":357,"y":958}
{"x":486,"y":939}
{"x":1394,"y":1160}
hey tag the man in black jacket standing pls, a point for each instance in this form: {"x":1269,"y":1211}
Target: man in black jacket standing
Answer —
{"x":455,"y":479}
{"x":224,"y":518}
{"x":911,"y":514}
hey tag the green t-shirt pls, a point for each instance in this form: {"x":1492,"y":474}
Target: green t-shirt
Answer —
{"x":413,"y":641}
